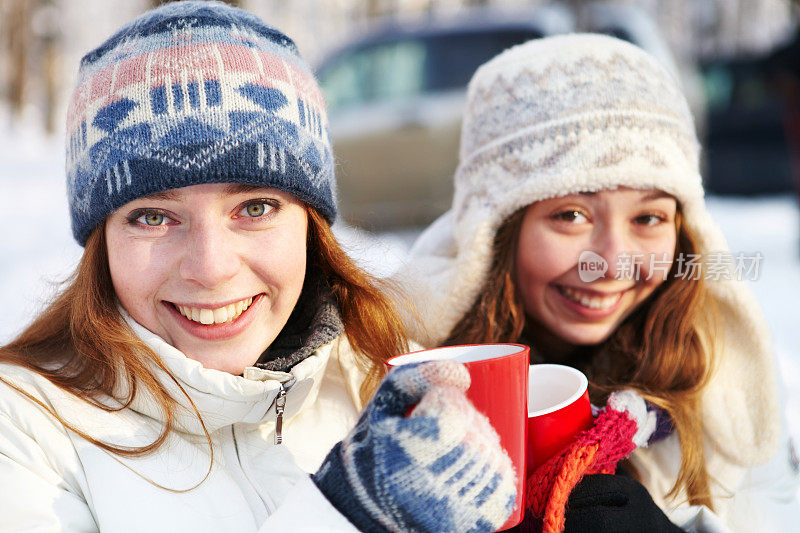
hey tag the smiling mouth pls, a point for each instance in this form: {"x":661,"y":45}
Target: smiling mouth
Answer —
{"x":219,"y":315}
{"x":592,"y":300}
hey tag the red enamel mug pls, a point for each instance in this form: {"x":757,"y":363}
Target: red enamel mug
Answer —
{"x":499,"y":390}
{"x":558,"y":409}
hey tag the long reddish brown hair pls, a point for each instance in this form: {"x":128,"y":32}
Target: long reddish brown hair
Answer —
{"x":663,"y":350}
{"x":371,"y":322}
{"x":81,"y":343}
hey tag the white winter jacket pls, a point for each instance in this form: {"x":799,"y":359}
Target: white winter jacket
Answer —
{"x":54,"y":480}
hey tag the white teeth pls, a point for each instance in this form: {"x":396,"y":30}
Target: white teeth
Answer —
{"x":220,"y":315}
{"x":592,"y":302}
{"x":206,"y":316}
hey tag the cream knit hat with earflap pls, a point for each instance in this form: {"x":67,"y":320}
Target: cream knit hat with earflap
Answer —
{"x":583,"y":113}
{"x":568,"y":114}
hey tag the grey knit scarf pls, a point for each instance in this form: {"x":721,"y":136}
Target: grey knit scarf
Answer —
{"x":315,"y":321}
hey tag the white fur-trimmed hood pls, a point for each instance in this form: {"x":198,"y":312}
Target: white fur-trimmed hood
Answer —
{"x":584,"y":113}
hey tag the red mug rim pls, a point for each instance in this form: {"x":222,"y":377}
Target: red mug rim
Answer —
{"x":583,"y":385}
{"x":390,"y":361}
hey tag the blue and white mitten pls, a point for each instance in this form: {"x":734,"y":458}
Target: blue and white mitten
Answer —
{"x":440,"y":468}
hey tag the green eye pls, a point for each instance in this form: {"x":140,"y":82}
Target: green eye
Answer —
{"x":154,"y":219}
{"x":255,"y":210}
{"x":149,"y":218}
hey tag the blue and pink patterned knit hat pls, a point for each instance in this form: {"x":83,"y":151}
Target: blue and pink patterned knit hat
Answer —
{"x":191,"y":93}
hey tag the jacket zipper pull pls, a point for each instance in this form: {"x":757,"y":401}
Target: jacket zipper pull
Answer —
{"x":280,"y":403}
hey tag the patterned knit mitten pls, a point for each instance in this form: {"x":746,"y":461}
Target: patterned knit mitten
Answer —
{"x":437,"y":468}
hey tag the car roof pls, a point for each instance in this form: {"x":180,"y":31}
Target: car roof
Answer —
{"x":547,"y":20}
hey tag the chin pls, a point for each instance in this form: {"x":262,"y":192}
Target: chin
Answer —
{"x":218,"y":363}
{"x":586,"y":338}
{"x":220,"y":359}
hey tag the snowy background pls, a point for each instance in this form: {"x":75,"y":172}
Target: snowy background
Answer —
{"x":37,"y":250}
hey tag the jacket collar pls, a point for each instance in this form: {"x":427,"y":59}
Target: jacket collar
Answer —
{"x":222,"y":398}
{"x":315,"y":322}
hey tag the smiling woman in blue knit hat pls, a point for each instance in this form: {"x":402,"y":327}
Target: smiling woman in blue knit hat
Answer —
{"x":215,"y":345}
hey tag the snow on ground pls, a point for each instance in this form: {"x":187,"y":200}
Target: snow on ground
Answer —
{"x":37,"y":250}
{"x":772,"y":227}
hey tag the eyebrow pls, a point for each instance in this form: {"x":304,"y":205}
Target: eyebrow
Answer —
{"x":230,"y":188}
{"x":163,"y":195}
{"x":236,"y":188}
{"x":655,"y":195}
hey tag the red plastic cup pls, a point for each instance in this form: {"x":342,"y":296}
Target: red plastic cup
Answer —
{"x":499,"y":388}
{"x":558,"y":409}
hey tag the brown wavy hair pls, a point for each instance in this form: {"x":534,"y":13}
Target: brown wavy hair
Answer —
{"x":81,"y":343}
{"x":663,"y":350}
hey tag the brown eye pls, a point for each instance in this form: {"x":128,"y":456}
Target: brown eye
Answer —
{"x":571,"y":215}
{"x":649,"y":220}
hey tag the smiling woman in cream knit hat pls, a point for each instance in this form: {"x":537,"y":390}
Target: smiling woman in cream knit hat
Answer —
{"x":577,"y":114}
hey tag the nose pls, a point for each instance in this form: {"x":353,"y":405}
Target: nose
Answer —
{"x":612,"y":244}
{"x":210,"y":258}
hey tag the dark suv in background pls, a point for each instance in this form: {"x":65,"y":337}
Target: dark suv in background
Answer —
{"x":753,"y":141}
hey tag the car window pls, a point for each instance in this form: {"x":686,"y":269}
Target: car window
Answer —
{"x":747,"y":143}
{"x":401,"y":69}
{"x":619,"y":33}
{"x":383,"y":72}
{"x":742,"y":86}
{"x":453,"y":59}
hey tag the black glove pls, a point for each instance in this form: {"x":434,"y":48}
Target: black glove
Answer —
{"x":606,"y":503}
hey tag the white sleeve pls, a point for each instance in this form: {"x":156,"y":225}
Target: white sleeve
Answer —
{"x":768,"y":501}
{"x":35,"y":497}
{"x":773,"y":489}
{"x":698,"y":519}
{"x":305,"y":509}
{"x":769,"y":496}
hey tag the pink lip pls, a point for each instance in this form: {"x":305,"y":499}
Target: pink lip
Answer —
{"x":216,"y":332}
{"x":587,"y":312}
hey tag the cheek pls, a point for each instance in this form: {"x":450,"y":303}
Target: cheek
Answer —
{"x":660,"y":257}
{"x":281,"y":261}
{"x":540,"y":263}
{"x":136,"y":273}
{"x":542,"y":260}
{"x":290,"y":269}
{"x":657,"y":270}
